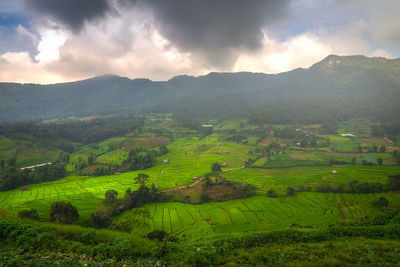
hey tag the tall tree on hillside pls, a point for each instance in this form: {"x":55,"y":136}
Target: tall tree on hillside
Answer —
{"x":141,"y":179}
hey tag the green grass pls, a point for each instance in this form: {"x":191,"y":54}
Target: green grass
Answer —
{"x":317,"y":210}
{"x":280,"y":179}
{"x":193,"y":157}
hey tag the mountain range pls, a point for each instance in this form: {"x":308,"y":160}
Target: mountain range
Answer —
{"x":338,"y":87}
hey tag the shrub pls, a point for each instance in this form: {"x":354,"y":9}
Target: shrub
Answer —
{"x":63,"y":212}
{"x":157,"y":234}
{"x":272,"y":193}
{"x":290,"y":191}
{"x":29,"y":214}
{"x":381,"y":202}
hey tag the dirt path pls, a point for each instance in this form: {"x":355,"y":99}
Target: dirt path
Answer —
{"x":181,"y":187}
{"x":233,"y":169}
{"x":198,"y":181}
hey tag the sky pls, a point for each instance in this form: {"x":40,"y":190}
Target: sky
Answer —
{"x":52,"y":41}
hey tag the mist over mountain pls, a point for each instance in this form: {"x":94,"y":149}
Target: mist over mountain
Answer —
{"x":339,"y":87}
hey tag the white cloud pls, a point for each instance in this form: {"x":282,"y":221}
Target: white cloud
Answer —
{"x":50,"y":42}
{"x":19,"y":67}
{"x":300,"y":51}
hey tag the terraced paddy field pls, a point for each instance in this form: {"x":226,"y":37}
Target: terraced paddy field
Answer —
{"x":308,"y":209}
{"x":188,"y":157}
{"x":280,"y":179}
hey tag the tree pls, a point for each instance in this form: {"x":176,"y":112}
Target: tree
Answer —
{"x":111,"y":198}
{"x":290,"y":191}
{"x":272,"y":193}
{"x":141,"y":179}
{"x":100,"y":218}
{"x":215,"y":167}
{"x":353,"y":160}
{"x":63,"y":212}
{"x":380,"y":161}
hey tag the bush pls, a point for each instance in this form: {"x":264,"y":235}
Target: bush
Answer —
{"x":63,"y":212}
{"x":290,"y":191}
{"x":29,"y":214}
{"x":272,"y":193}
{"x":381,"y":202}
{"x":157,"y":234}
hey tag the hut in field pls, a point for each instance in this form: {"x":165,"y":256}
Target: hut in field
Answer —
{"x":25,"y":188}
{"x":166,"y":161}
{"x":334,"y":172}
{"x":195,"y":178}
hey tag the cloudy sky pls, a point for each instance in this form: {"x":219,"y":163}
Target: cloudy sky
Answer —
{"x":49,"y":41}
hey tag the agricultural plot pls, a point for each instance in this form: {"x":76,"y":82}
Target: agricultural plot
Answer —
{"x":343,"y":144}
{"x":313,"y":210}
{"x":188,"y":157}
{"x":280,"y":179}
{"x":294,"y":158}
{"x":26,"y":153}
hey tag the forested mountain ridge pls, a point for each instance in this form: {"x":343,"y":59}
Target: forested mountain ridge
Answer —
{"x":339,"y":87}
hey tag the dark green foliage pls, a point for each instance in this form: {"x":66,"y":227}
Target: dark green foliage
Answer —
{"x":141,"y":162}
{"x":13,"y":177}
{"x":100,"y":218}
{"x":394,"y":182}
{"x":141,"y":179}
{"x":215,"y":167}
{"x":272,"y":193}
{"x":63,"y":212}
{"x":29,"y":214}
{"x":86,"y":131}
{"x":157,"y":234}
{"x":204,"y":198}
{"x":382,"y":202}
{"x":290,"y":191}
{"x":327,"y":188}
{"x":110,"y":198}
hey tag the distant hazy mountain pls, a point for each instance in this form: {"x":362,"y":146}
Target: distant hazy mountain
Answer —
{"x":353,"y":86}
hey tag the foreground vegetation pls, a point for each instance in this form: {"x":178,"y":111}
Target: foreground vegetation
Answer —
{"x":162,"y":192}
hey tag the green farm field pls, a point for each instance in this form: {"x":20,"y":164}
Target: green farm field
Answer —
{"x":188,"y":157}
{"x":309,"y":209}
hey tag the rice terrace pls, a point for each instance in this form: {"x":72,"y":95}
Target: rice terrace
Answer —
{"x":199,"y":133}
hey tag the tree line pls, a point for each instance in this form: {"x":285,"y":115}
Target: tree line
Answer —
{"x":13,"y":177}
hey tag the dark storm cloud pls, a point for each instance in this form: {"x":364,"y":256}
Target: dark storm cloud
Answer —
{"x":215,"y":28}
{"x":72,"y":13}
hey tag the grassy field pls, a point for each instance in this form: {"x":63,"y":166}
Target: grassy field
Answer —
{"x":309,"y":209}
{"x":188,"y":157}
{"x":191,"y":156}
{"x":281,"y":178}
{"x":25,"y":152}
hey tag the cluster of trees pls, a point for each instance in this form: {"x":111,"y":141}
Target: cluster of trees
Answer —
{"x":290,"y":192}
{"x":143,"y":159}
{"x":85,"y":131}
{"x":132,"y":199}
{"x":239,"y":190}
{"x":13,"y":177}
{"x":60,"y":212}
{"x":354,"y":186}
